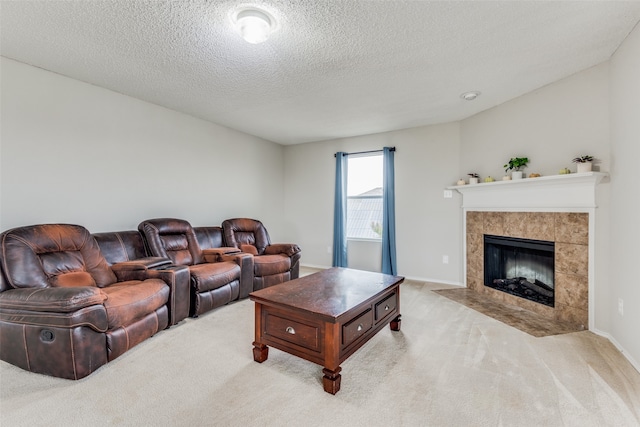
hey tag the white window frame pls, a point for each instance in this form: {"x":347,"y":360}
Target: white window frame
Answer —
{"x":363,"y":239}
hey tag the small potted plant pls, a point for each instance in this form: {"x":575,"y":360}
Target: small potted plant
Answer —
{"x":473,"y":178}
{"x":583,"y":163}
{"x":516,"y":164}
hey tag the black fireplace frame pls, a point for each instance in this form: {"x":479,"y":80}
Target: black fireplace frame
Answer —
{"x":544,"y":251}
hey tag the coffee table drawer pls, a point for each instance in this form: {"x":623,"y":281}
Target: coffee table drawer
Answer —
{"x":297,"y":333}
{"x":357,"y":327}
{"x":386,"y":306}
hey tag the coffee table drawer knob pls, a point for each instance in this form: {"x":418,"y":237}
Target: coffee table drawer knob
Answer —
{"x":290,"y":330}
{"x":359,"y":327}
{"x":386,"y":307}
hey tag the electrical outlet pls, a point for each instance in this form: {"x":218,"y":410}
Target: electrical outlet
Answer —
{"x":329,"y":250}
{"x":448,"y":194}
{"x":621,"y":306}
{"x":445,"y":259}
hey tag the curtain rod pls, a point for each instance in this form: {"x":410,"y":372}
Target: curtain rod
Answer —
{"x":367,"y":152}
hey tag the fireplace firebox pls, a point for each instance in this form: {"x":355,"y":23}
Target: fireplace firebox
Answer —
{"x":520,"y":267}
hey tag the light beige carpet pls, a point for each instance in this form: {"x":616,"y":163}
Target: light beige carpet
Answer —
{"x":448,"y":366}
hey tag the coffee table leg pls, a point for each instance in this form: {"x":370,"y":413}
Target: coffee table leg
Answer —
{"x":260,"y":352}
{"x":395,"y":323}
{"x":331,"y":380}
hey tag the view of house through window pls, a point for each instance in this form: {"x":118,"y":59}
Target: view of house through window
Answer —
{"x":364,"y":197}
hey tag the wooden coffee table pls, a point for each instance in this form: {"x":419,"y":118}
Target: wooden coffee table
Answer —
{"x":325,"y":317}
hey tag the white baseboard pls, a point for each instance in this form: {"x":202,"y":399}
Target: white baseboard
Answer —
{"x":320,"y":267}
{"x":441,"y":282}
{"x":416,"y":279}
{"x":620,"y":348}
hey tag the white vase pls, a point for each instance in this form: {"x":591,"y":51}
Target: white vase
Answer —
{"x":584,"y":167}
{"x":517,"y":174}
{"x":473,"y":180}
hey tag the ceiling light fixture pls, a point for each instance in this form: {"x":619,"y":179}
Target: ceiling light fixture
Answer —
{"x":254,"y":25}
{"x":470,"y":96}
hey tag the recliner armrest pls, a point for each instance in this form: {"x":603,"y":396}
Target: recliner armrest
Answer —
{"x":215,"y":254}
{"x":142,"y":263}
{"x":55,"y":307}
{"x":138,"y":269}
{"x":245,"y":261}
{"x":289,"y":249}
{"x":93,"y":316}
{"x":60,"y":300}
{"x":178,"y":279}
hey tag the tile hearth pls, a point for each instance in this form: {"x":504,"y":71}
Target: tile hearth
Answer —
{"x":569,"y":231}
{"x":516,"y":317}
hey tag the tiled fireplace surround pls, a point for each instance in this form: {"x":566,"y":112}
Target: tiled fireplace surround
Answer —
{"x":569,"y":231}
{"x":561,"y":209}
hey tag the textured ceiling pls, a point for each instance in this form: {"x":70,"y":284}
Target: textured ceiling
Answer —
{"x":333,"y":68}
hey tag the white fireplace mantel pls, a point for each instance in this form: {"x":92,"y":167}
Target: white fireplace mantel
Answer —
{"x":556,"y":192}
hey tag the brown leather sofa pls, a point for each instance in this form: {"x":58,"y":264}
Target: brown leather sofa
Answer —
{"x":71,"y":301}
{"x":65,"y":311}
{"x":218,"y":275}
{"x":273,"y":263}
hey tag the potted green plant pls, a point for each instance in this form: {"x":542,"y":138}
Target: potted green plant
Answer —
{"x":583,"y":163}
{"x":516,"y":164}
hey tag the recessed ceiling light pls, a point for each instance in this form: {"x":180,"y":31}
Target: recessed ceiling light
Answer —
{"x":470,"y":96}
{"x":254,"y":25}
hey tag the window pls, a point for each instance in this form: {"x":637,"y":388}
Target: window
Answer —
{"x":364,"y":197}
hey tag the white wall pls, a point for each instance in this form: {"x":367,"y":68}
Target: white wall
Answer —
{"x":624,"y":253}
{"x":365,"y":255}
{"x":551,"y":126}
{"x":77,"y":153}
{"x":427,"y":225}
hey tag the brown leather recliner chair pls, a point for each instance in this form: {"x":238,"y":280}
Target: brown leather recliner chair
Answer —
{"x":126,"y":250}
{"x":273,"y":263}
{"x":63,"y":311}
{"x":211,"y":241}
{"x":216,"y":278}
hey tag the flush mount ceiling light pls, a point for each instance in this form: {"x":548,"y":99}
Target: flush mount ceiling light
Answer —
{"x":470,"y":96}
{"x":254,"y":25}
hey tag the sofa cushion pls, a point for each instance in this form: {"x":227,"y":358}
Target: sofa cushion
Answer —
{"x":177,"y":247}
{"x":249,"y":249}
{"x":246,"y":231}
{"x":171,"y":238}
{"x":121,"y":246}
{"x":132,"y":300}
{"x":209,"y":237}
{"x":34,"y":256}
{"x":73,"y":279}
{"x":208,"y":276}
{"x":266,"y":265}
